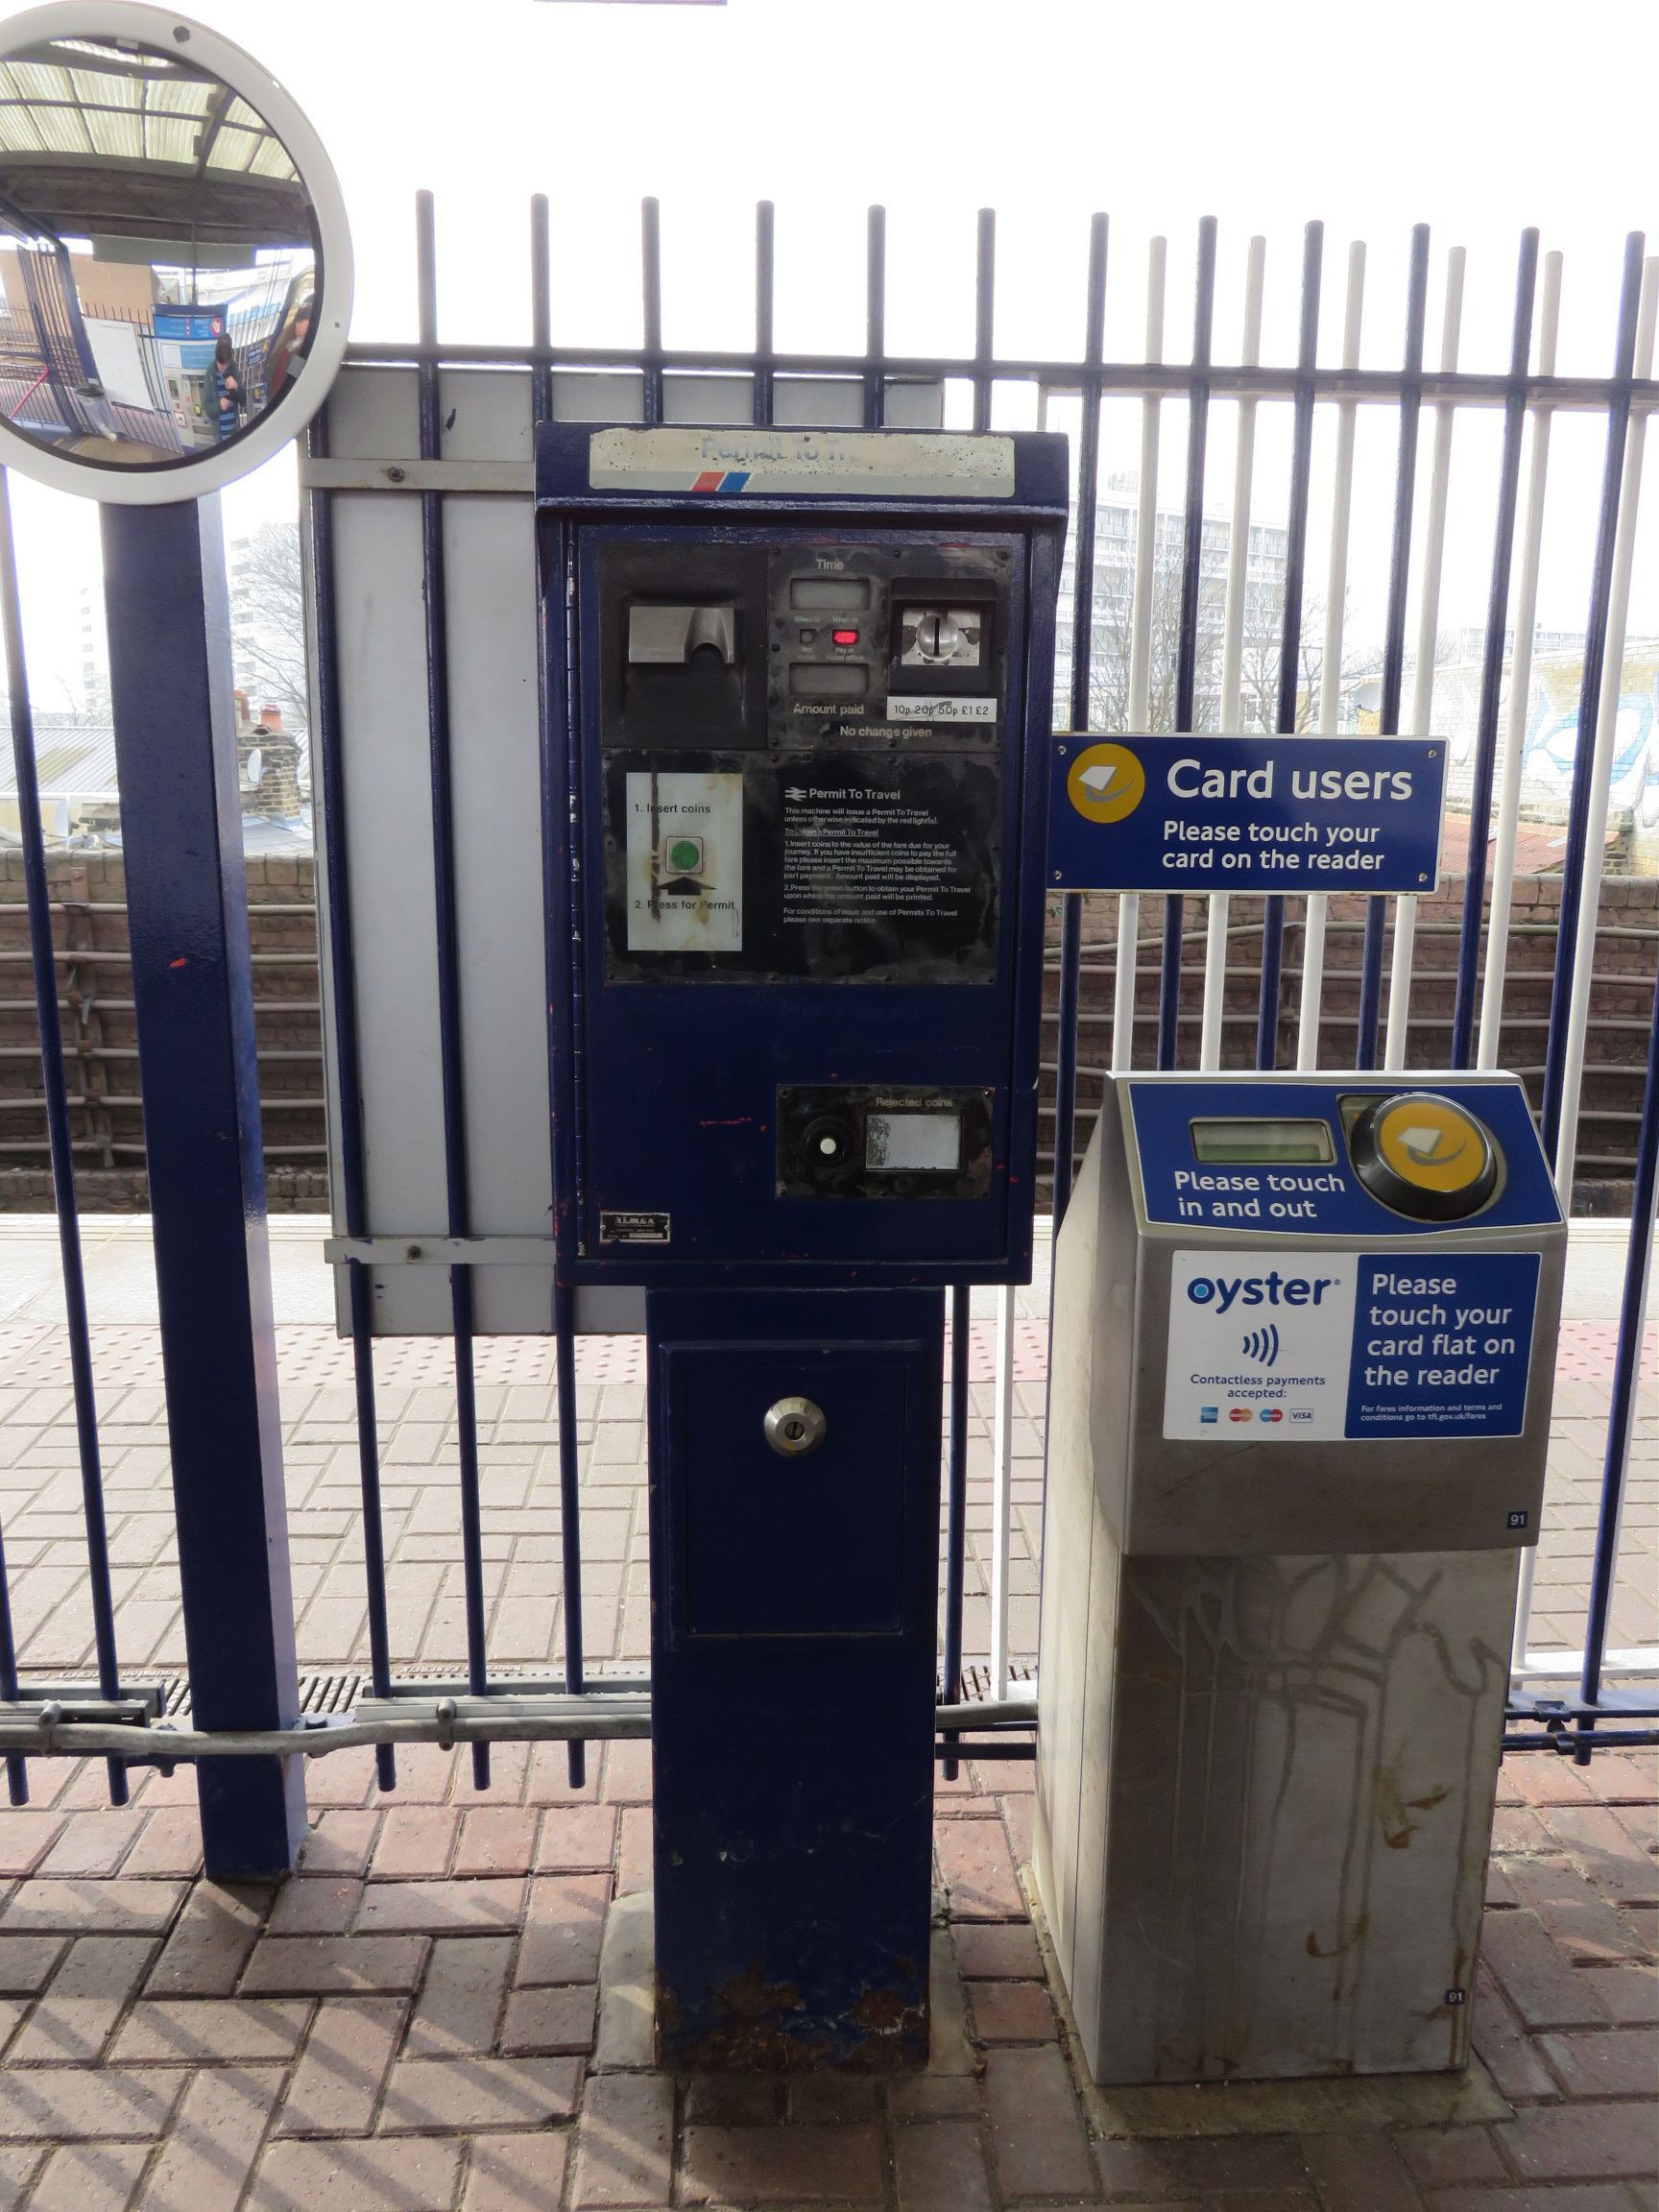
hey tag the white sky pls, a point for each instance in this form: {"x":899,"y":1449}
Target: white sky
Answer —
{"x":1478,"y":118}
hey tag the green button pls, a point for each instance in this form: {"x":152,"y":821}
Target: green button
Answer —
{"x":683,"y":853}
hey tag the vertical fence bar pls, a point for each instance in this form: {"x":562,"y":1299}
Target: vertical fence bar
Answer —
{"x":1520,"y":694}
{"x":1141,"y":647}
{"x":37,"y":895}
{"x":451,"y":1050}
{"x":956,"y":1504}
{"x":764,"y":240}
{"x":330,"y":773}
{"x":1291,"y":648}
{"x":651,"y":289}
{"x":1317,"y":908}
{"x":16,"y":1765}
{"x":1002,"y":1487}
{"x":1187,"y":629}
{"x":1492,"y":659}
{"x":1071,"y":943}
{"x":1627,"y":1375}
{"x":1219,"y":905}
{"x":1595,"y":843}
{"x":1427,"y":632}
{"x":875,"y":317}
{"x":564,"y":1299}
{"x":1082,"y":671}
{"x":1565,"y":1053}
{"x":1394,"y":623}
{"x":961,"y":1297}
{"x":984,"y":315}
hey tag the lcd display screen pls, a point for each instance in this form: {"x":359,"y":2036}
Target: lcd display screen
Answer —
{"x":829,"y":594}
{"x":913,"y":1144}
{"x":1264,"y":1143}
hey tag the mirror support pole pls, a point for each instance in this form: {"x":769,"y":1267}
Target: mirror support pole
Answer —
{"x":168,"y":610}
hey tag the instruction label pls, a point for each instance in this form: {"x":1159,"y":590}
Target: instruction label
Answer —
{"x":684,"y":871}
{"x":906,"y":850}
{"x":1288,"y":1346}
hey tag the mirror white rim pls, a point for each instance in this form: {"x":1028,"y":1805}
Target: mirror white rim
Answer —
{"x":210,"y":470}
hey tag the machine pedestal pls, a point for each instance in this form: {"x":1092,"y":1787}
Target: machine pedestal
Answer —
{"x":794,"y":1602}
{"x":1264,"y":1813}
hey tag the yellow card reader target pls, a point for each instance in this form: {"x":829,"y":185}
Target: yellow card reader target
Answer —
{"x":1106,"y":782}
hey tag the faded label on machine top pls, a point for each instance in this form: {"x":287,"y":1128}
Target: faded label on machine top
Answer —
{"x":1284,"y":1346}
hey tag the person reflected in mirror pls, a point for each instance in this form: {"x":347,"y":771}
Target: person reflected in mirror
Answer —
{"x":287,"y":356}
{"x":228,"y":389}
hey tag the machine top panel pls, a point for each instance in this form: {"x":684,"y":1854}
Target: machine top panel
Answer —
{"x":1345,"y":1156}
{"x":674,"y":465}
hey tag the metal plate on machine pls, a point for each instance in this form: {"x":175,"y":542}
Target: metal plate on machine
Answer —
{"x":1316,"y":1345}
{"x":926,"y":465}
{"x":801,"y":757}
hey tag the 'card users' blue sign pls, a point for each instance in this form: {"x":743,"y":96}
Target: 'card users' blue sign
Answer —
{"x":1245,"y":813}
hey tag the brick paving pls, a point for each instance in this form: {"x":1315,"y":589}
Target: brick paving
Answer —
{"x":365,"y":2037}
{"x":417,"y":2018}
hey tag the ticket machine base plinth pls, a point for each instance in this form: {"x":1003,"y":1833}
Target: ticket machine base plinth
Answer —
{"x":793,"y":1639}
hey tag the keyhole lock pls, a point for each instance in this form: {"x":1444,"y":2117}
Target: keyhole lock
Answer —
{"x":795,"y":1427}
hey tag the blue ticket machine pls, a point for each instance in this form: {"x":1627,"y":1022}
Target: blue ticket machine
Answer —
{"x":798,"y":700}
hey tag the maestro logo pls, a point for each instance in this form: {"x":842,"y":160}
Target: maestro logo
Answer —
{"x":1105,"y":783}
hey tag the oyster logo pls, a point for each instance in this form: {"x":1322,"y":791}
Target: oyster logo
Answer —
{"x":1105,"y":783}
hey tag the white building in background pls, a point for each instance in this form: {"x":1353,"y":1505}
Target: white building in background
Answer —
{"x":1115,"y":522}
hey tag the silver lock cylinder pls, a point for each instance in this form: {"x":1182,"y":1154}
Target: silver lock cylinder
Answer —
{"x":795,"y":1427}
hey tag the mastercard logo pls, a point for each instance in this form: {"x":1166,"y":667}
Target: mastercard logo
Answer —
{"x":1238,"y":1413}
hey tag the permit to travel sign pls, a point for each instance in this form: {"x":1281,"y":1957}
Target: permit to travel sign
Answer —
{"x":1245,"y":813}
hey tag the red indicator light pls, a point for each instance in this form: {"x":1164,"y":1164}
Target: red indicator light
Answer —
{"x":845,"y":637}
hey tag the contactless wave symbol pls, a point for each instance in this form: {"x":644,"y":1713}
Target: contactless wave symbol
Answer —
{"x":1262,"y":1345}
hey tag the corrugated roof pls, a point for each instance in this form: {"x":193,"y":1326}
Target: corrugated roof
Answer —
{"x":131,"y":106}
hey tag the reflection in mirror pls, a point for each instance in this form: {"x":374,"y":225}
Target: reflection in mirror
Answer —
{"x":159,"y":256}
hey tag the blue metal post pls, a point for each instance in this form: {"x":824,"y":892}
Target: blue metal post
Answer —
{"x":450,"y":1056}
{"x":1626,"y":1373}
{"x":328,"y":773}
{"x":563,"y":1298}
{"x":193,"y":992}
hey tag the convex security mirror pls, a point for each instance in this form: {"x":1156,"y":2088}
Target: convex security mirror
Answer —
{"x":175,"y":264}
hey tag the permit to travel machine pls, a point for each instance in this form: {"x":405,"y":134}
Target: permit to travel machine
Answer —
{"x":797,"y":694}
{"x":1304,"y":1352}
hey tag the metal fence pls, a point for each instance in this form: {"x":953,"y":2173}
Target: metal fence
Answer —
{"x":652,"y":382}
